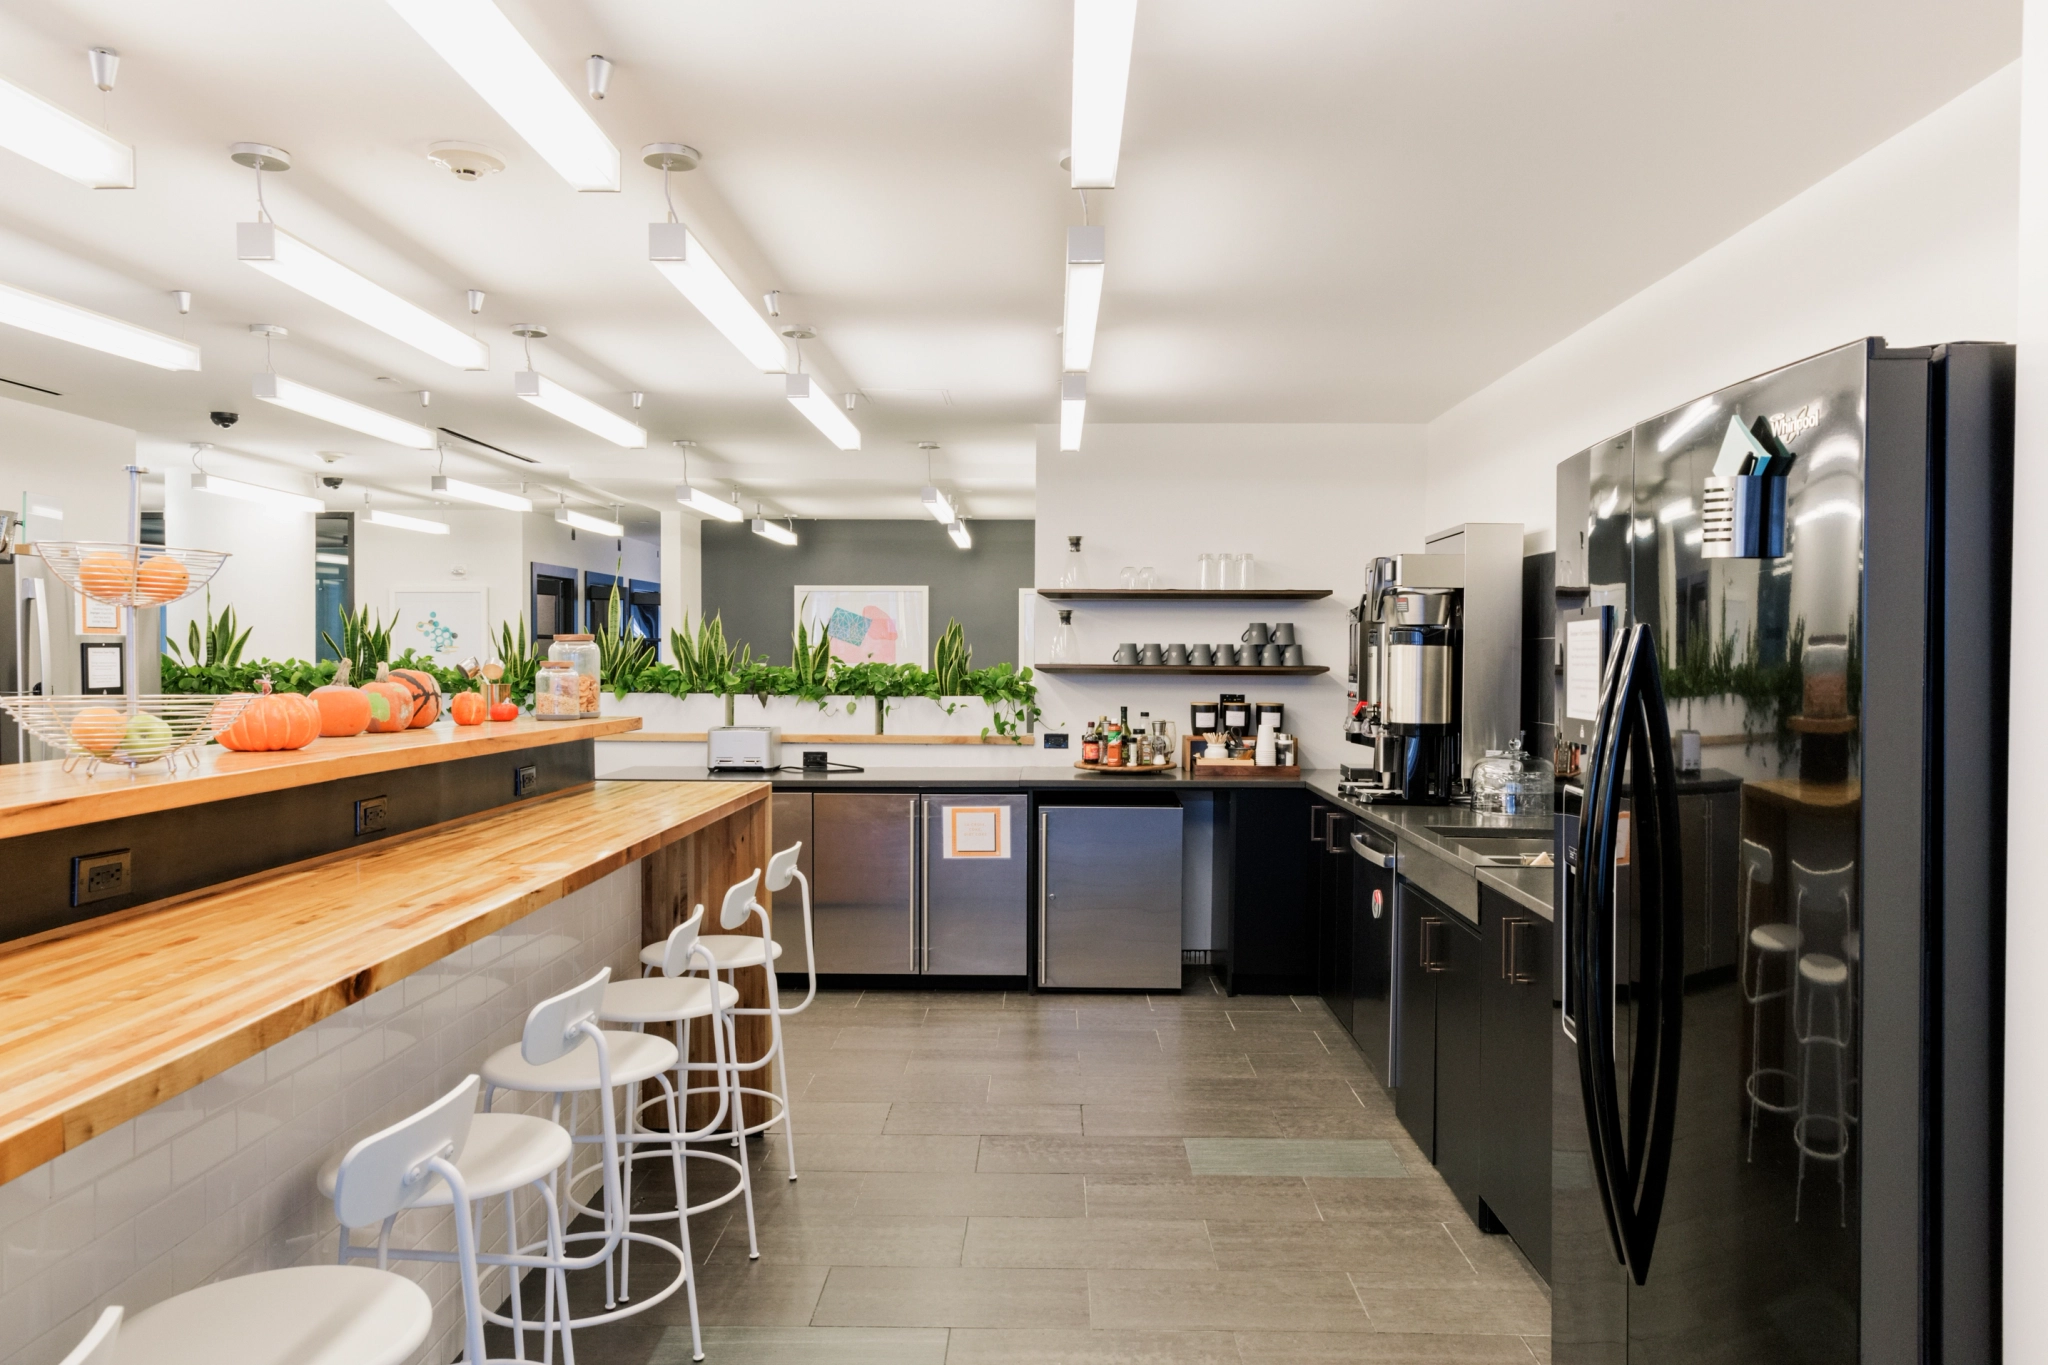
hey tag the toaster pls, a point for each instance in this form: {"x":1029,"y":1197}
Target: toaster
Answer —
{"x":744,"y":748}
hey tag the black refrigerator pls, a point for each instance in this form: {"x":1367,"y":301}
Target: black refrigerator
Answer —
{"x":1776,"y":1119}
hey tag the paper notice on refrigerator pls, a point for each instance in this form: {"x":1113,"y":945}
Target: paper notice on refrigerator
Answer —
{"x":1582,"y":664}
{"x":977,"y":832}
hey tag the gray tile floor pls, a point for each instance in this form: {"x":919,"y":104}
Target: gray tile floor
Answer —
{"x":1003,"y":1179}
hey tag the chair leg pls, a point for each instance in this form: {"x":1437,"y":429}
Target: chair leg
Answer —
{"x":675,"y":1156}
{"x":558,"y":1250}
{"x":518,"y":1308}
{"x":739,"y":1127}
{"x":781,"y":1065}
{"x":631,"y":1150}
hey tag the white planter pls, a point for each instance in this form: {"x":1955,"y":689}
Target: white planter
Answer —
{"x":662,"y":714}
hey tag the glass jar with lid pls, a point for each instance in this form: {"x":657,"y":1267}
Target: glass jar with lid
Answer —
{"x":1511,"y":783}
{"x":555,"y":691}
{"x":580,"y":653}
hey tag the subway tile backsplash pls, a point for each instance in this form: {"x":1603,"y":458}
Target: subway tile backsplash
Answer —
{"x":219,"y":1181}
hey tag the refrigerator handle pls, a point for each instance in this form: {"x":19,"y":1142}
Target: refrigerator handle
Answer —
{"x":1588,"y":987}
{"x":920,"y":883}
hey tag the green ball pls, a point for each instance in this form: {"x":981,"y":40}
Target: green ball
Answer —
{"x":148,"y":737}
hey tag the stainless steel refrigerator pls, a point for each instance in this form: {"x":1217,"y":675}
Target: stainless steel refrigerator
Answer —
{"x":1775,"y":1131}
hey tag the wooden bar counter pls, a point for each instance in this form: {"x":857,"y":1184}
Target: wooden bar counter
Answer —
{"x":104,"y":1020}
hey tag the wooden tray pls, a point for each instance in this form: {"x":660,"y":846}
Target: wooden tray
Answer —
{"x":1242,"y":769}
{"x":1150,"y":770}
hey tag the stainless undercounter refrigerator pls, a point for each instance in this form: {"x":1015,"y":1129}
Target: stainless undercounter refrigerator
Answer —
{"x":1109,"y":897}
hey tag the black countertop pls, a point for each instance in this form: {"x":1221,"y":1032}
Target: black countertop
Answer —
{"x":1419,"y":832}
{"x":963,"y":779}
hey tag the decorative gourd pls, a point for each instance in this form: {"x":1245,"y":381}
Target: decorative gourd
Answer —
{"x":162,"y":579}
{"x":344,"y":710}
{"x":468,"y":708}
{"x":390,"y":703}
{"x":426,"y":694}
{"x":273,"y":721}
{"x":505,"y":710}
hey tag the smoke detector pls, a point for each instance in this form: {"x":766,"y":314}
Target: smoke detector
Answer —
{"x":465,"y":160}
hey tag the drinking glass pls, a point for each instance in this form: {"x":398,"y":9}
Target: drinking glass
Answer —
{"x":1148,"y":577}
{"x":1211,"y":573}
{"x":1127,"y":576}
{"x":1240,"y":571}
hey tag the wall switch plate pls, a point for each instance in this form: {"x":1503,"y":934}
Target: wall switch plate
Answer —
{"x":1055,"y":740}
{"x":101,"y":876}
{"x":371,"y":814}
{"x":525,"y":780}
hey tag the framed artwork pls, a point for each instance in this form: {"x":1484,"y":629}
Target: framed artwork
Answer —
{"x":889,"y":625}
{"x":446,"y":624}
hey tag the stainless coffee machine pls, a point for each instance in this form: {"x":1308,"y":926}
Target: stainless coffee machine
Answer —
{"x":1436,"y":660}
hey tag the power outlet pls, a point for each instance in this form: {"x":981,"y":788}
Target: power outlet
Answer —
{"x":1055,"y":740}
{"x":525,"y":780}
{"x":372,"y":814}
{"x":101,"y":876}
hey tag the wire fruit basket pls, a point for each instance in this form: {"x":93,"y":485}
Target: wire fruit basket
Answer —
{"x":167,"y":729}
{"x":128,"y":575}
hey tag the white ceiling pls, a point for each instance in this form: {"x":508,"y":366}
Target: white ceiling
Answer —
{"x":1330,"y":211}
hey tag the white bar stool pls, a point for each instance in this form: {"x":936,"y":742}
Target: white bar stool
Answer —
{"x":328,"y":1314}
{"x":677,"y":999}
{"x":563,"y":1054}
{"x":1765,"y":942}
{"x":1823,"y":901}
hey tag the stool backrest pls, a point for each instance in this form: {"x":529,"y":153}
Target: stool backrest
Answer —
{"x":555,"y":1025}
{"x":739,"y":902}
{"x":387,"y":1172}
{"x":1758,"y":864}
{"x":97,"y":1348}
{"x":782,"y":867}
{"x":1822,"y":905}
{"x":682,"y":945}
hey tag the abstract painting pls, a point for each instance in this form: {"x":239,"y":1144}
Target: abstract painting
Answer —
{"x":868,"y":624}
{"x":445,"y":624}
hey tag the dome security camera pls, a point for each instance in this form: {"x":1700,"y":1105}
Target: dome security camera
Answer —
{"x":225,"y":419}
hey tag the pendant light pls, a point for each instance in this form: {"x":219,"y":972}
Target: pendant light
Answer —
{"x":1103,"y":30}
{"x":545,"y":394}
{"x":272,"y":387}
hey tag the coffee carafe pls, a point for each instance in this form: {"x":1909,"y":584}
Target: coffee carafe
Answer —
{"x":1409,"y":647}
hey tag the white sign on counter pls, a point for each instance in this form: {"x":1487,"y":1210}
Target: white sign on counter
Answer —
{"x":1582,"y":669}
{"x":977,"y":832}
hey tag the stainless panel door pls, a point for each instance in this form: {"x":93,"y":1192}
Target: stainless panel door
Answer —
{"x":1373,"y":916}
{"x":977,"y":899}
{"x":865,"y":913}
{"x":1109,"y":897}
{"x":790,"y":814}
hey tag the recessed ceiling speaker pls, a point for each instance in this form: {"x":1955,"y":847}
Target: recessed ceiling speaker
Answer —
{"x":465,"y":160}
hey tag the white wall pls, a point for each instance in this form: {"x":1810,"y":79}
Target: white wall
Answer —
{"x":1313,"y":503}
{"x":547,"y":541}
{"x":1915,"y":241}
{"x":268,"y":578}
{"x":481,"y":550}
{"x":682,"y":573}
{"x":2026,"y":945}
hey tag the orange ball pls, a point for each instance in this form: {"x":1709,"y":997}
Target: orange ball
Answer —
{"x":98,"y":730}
{"x":107,"y":576}
{"x":162,"y":579}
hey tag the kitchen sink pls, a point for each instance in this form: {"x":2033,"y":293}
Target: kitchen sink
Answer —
{"x":1490,"y":832}
{"x":1492,"y":852}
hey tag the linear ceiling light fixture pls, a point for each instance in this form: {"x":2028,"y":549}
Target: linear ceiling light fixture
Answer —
{"x":270,"y":249}
{"x":817,"y":406}
{"x":582,"y":521}
{"x":957,"y":529}
{"x":256,"y":492}
{"x":697,"y":500}
{"x":71,"y":147}
{"x":473,"y":492}
{"x":475,"y":38}
{"x":939,"y":505}
{"x":327,"y":407}
{"x":1073,"y":408}
{"x":545,"y":394}
{"x":1102,"y":76}
{"x":1084,"y":297}
{"x":682,"y":259}
{"x":83,"y":327}
{"x":380,"y":517}
{"x":774,"y":531}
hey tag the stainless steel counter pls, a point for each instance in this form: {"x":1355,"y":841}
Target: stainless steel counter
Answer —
{"x":1441,"y":847}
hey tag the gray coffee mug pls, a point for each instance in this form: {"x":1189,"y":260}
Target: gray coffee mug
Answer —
{"x":1151,"y":656}
{"x":1125,"y":654}
{"x":1283,"y":633}
{"x":1255,"y":634}
{"x":1177,"y":655}
{"x":1269,"y":657}
{"x":1202,"y":656}
{"x":1226,"y":656}
{"x":1291,"y":656}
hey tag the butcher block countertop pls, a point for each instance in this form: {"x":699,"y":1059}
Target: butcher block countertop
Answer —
{"x":101,"y":1024}
{"x":41,"y":796}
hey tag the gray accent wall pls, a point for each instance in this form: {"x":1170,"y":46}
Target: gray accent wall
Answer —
{"x":751,"y":581}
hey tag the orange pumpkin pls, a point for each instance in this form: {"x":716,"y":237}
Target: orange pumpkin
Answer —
{"x":106,"y":575}
{"x":344,"y":710}
{"x":275,"y":720}
{"x":468,"y":708}
{"x":162,"y":579}
{"x":390,"y":706}
{"x":426,"y":695}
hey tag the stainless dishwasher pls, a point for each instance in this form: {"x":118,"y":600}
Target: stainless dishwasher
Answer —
{"x":1109,"y":882}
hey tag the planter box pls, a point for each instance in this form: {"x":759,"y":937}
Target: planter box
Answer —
{"x":851,"y":716}
{"x":662,"y":714}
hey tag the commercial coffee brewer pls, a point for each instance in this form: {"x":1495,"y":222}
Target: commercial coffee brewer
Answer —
{"x":1436,"y":653}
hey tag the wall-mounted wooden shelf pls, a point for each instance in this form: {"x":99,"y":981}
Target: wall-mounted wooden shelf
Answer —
{"x":1143,"y":670}
{"x":1183,"y":594}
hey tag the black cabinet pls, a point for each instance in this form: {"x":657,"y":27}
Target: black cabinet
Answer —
{"x":1330,"y":853}
{"x":1519,"y":1019}
{"x":1262,"y":865}
{"x":1461,"y":1100}
{"x":1419,"y":947}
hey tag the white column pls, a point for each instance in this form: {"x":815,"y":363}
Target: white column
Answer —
{"x":682,"y":573}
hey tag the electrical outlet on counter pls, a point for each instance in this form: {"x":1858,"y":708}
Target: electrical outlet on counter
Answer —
{"x":1055,"y":740}
{"x":101,"y":876}
{"x":372,"y":814}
